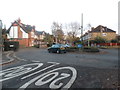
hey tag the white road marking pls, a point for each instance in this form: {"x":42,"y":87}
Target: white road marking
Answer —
{"x":16,"y":71}
{"x":23,"y":69}
{"x":41,"y":82}
{"x":54,"y":86}
{"x":35,"y":61}
{"x":68,"y":85}
{"x":19,"y":58}
{"x":8,"y":56}
{"x":39,"y":71}
{"x":52,"y":62}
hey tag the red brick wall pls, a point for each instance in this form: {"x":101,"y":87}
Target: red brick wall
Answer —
{"x":23,"y":42}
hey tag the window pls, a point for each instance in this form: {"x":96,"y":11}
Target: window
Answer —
{"x":104,"y":34}
{"x":32,"y":34}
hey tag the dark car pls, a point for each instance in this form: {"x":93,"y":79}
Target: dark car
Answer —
{"x":57,"y":48}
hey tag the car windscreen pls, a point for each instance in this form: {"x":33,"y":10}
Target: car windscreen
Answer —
{"x":55,"y":46}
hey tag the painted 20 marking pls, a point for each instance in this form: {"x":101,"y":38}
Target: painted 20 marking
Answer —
{"x":53,"y":78}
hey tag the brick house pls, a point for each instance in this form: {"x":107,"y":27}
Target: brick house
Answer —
{"x":99,"y":31}
{"x":25,"y":34}
{"x":39,"y":38}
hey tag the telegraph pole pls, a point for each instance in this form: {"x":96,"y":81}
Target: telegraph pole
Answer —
{"x":1,"y":39}
{"x":81,"y":27}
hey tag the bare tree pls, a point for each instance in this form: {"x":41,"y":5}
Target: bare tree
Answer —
{"x":73,"y":30}
{"x":89,"y":26}
{"x":57,"y":31}
{"x":49,"y":39}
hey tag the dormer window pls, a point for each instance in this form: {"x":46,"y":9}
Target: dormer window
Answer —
{"x":104,"y":34}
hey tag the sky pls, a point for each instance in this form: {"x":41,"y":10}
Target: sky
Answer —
{"x":42,"y":13}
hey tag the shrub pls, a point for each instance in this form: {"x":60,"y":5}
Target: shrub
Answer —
{"x":99,"y":40}
{"x":103,"y":47}
{"x":90,"y":49}
{"x":72,"y":49}
{"x":37,"y":45}
{"x":114,"y":41}
{"x":49,"y":45}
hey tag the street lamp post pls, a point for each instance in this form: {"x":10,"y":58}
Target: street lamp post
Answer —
{"x":82,"y":27}
{"x":1,"y":39}
{"x":0,"y":24}
{"x":89,"y":35}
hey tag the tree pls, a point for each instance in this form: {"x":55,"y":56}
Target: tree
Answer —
{"x":99,"y":40}
{"x":4,"y":34}
{"x":74,"y":30}
{"x":49,"y":39}
{"x":114,"y":41}
{"x":57,"y":32}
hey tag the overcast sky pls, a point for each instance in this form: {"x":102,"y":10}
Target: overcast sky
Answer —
{"x":42,"y":13}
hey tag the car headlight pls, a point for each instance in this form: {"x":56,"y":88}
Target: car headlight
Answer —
{"x":62,"y":48}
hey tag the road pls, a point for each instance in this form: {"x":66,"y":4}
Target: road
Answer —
{"x":36,"y":68}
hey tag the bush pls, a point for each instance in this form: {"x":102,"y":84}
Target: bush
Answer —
{"x":90,"y":49}
{"x":37,"y":45}
{"x":49,"y":45}
{"x":99,"y":40}
{"x":103,"y":47}
{"x":11,"y":45}
{"x":72,"y":49}
{"x":114,"y":41}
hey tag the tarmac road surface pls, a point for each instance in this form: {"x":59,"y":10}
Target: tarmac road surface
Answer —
{"x":36,"y":68}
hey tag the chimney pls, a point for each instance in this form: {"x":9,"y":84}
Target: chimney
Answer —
{"x":19,"y":21}
{"x":34,"y":27}
{"x":92,"y":28}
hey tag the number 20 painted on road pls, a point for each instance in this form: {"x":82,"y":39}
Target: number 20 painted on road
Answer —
{"x":39,"y":80}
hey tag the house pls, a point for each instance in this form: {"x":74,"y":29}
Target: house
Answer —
{"x":24,"y":34}
{"x":118,"y":38}
{"x":99,"y":31}
{"x":39,"y":38}
{"x":40,"y":35}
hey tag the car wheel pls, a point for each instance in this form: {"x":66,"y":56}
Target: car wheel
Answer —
{"x":65,"y":52}
{"x":58,"y":51}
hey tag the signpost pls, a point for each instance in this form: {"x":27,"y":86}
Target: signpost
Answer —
{"x":79,"y":46}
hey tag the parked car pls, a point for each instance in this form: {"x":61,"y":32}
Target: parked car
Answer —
{"x":57,"y":48}
{"x":11,"y":45}
{"x":67,"y":45}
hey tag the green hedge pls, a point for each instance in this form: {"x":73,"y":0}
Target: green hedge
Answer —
{"x":72,"y":49}
{"x":90,"y":49}
{"x":37,"y":46}
{"x":103,"y":47}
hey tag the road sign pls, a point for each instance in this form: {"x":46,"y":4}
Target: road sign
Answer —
{"x":79,"y":46}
